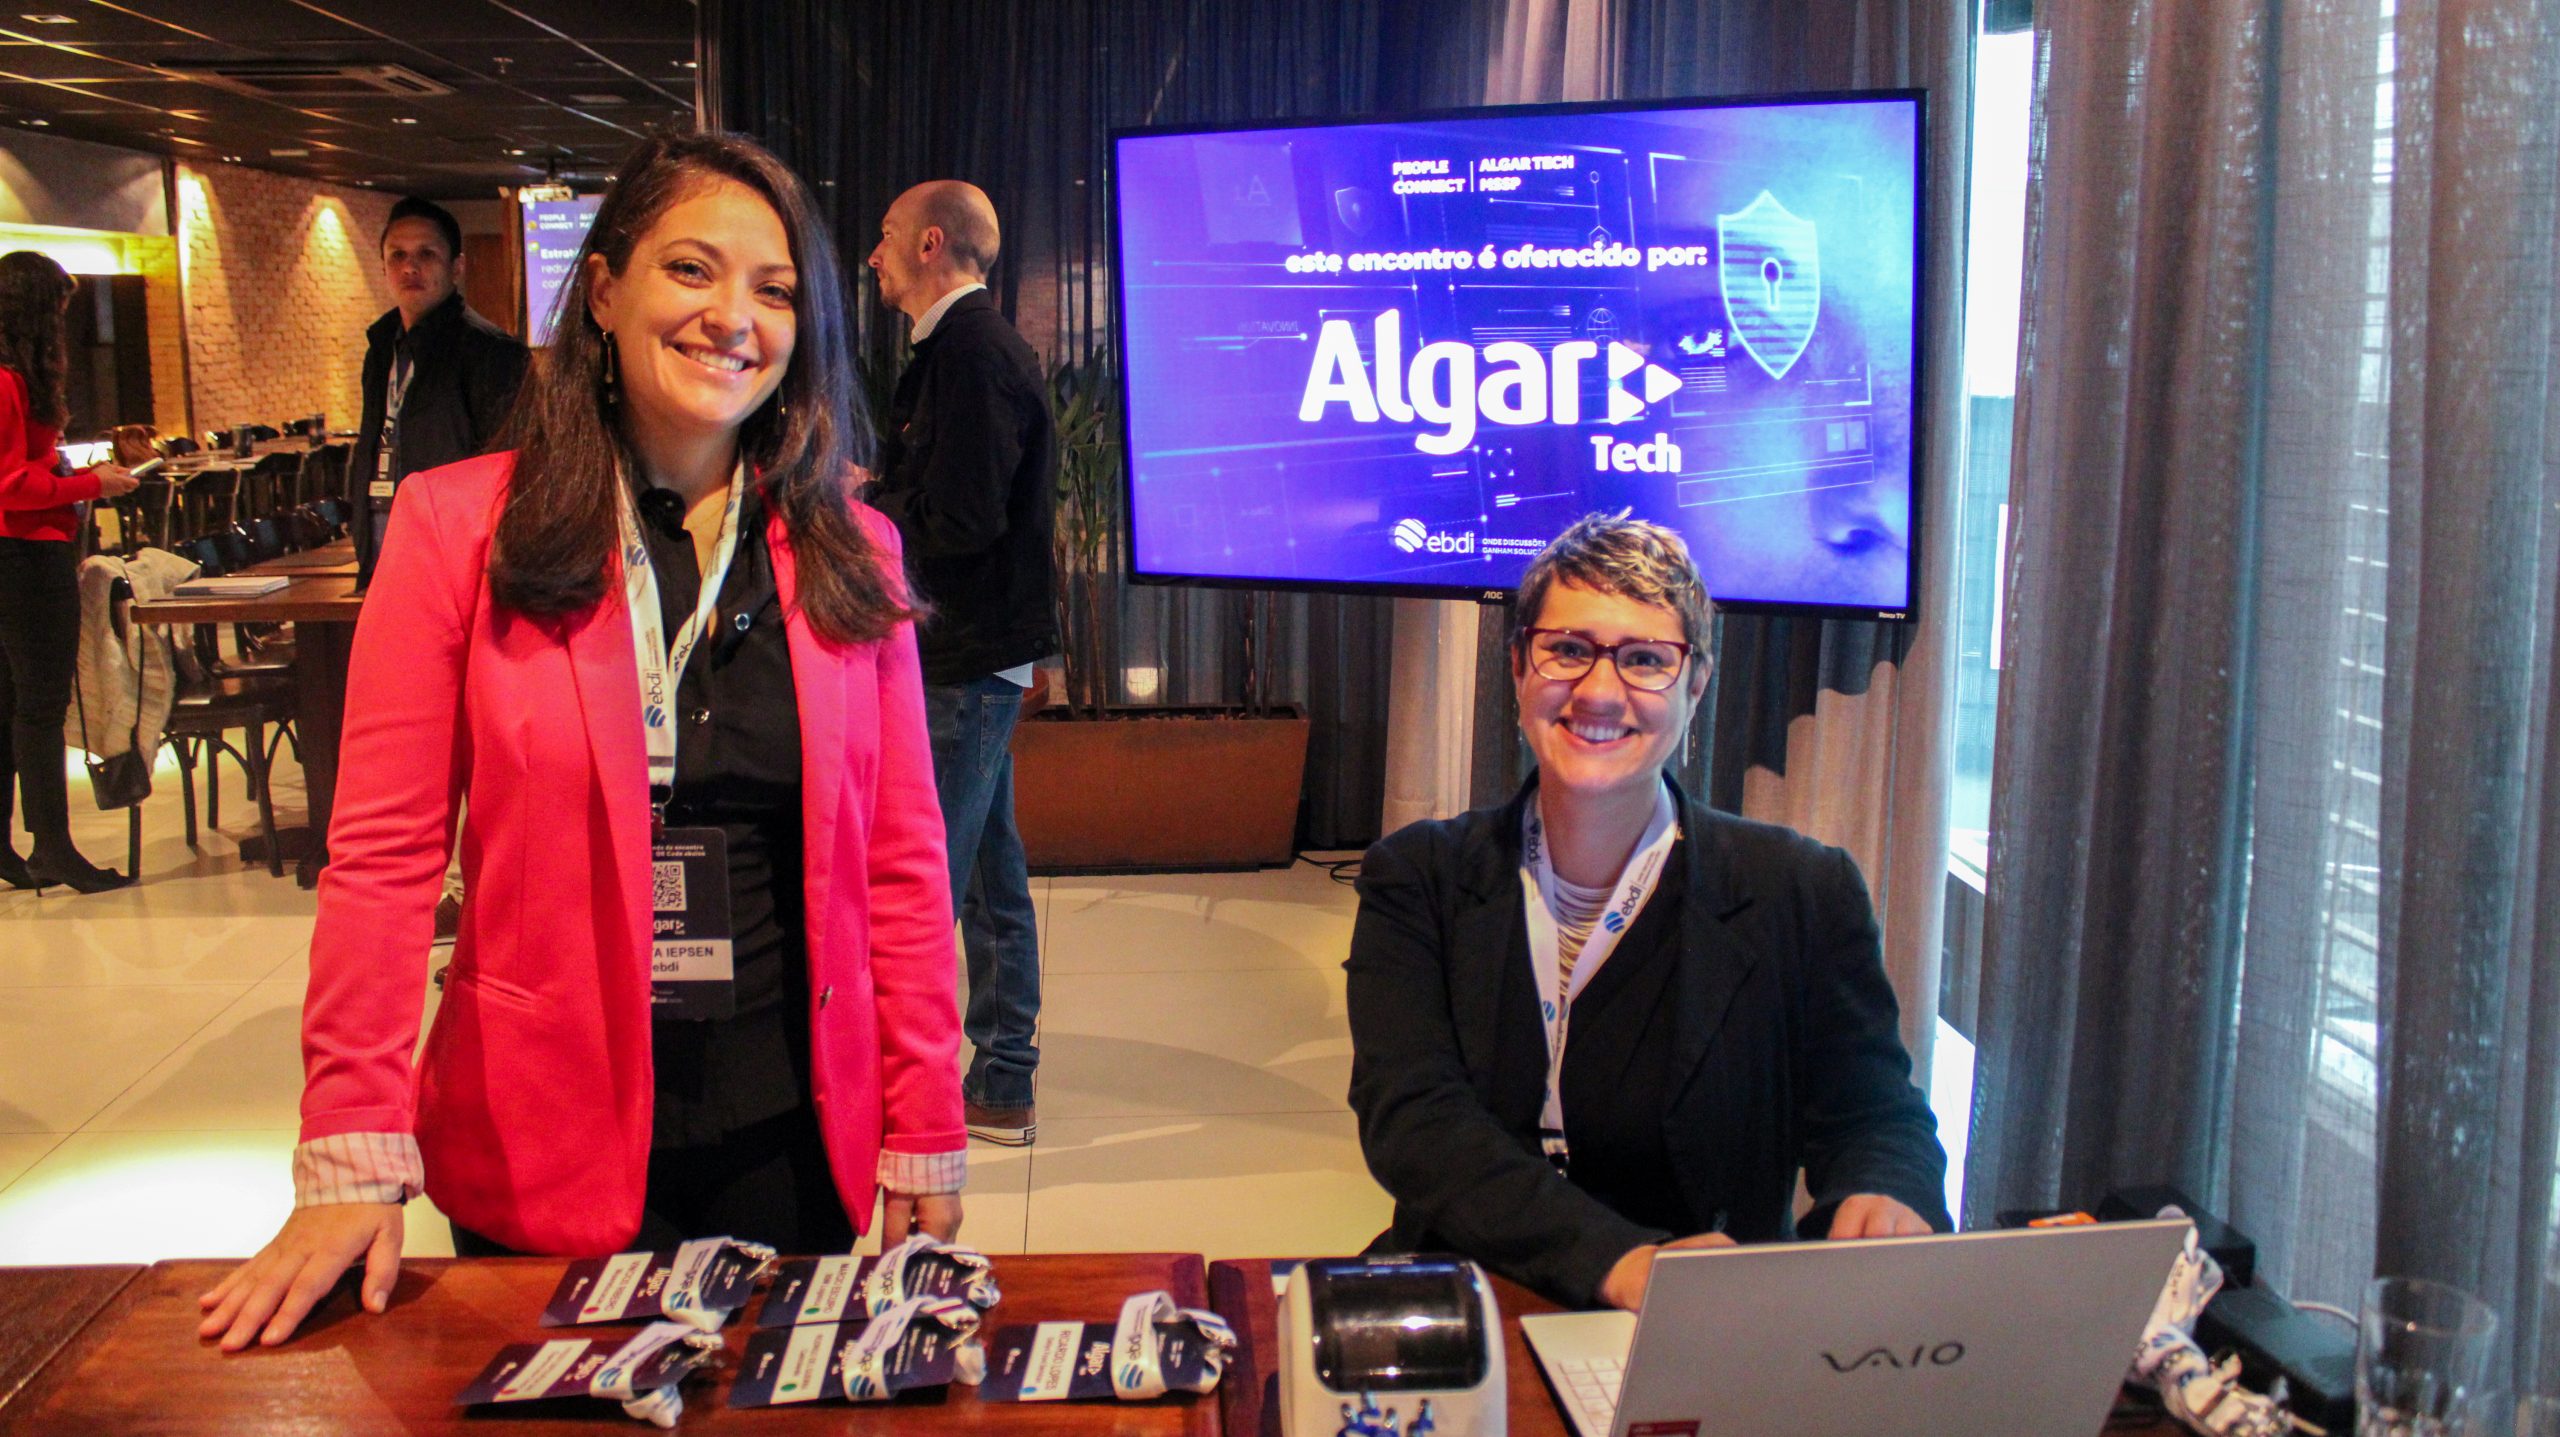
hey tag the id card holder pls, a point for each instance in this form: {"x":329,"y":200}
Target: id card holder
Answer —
{"x":692,"y":968}
{"x":382,"y":486}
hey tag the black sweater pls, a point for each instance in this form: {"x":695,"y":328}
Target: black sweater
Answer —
{"x":1764,"y":1043}
{"x":968,"y":469}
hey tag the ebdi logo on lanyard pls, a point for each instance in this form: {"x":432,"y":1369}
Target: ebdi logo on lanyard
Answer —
{"x":692,"y":962}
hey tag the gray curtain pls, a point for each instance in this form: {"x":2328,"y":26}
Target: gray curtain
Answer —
{"x":2272,"y":915}
{"x":865,"y":100}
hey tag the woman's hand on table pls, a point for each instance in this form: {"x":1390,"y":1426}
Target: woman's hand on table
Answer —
{"x":114,"y":480}
{"x":1875,"y":1215}
{"x":1624,"y":1286}
{"x":902,"y":1213}
{"x":266,"y":1298}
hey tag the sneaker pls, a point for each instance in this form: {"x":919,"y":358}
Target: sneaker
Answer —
{"x":1005,"y":1127}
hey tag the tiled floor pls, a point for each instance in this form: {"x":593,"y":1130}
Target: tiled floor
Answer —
{"x":1194,"y":1060}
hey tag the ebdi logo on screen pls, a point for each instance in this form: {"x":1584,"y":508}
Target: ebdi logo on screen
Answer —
{"x":1520,"y":385}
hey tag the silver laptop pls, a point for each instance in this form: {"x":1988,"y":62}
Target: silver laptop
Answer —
{"x":2018,"y":1333}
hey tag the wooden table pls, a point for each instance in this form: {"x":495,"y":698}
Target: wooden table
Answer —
{"x":1249,"y":1397}
{"x":42,"y":1309}
{"x":137,"y":1369}
{"x":322,"y":604}
{"x":336,"y":557}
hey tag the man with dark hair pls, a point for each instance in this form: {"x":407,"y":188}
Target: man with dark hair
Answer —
{"x":966,"y":473}
{"x":438,"y":379}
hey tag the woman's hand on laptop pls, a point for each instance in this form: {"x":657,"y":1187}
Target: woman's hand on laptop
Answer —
{"x":1875,"y":1215}
{"x":1624,"y":1286}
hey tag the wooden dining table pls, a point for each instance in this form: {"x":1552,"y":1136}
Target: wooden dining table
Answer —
{"x":320,"y":600}
{"x":100,"y":1350}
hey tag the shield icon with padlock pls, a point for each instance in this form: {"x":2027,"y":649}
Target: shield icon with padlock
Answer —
{"x":1770,"y":267}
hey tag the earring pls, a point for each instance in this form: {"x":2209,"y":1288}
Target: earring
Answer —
{"x":612,"y":370}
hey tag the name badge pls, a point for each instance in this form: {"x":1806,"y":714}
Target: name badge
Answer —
{"x":692,"y":968}
{"x":381,"y":488}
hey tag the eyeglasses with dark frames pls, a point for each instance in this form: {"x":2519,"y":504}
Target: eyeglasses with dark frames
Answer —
{"x":1568,"y":655}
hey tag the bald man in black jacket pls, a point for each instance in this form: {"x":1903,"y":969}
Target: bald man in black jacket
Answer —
{"x":967,"y":474}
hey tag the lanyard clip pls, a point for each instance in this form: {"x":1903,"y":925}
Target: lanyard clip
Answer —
{"x":660,"y":795}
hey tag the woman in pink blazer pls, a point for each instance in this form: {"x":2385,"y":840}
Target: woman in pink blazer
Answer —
{"x":676,"y":520}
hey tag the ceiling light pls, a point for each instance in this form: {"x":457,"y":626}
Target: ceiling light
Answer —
{"x":404,"y":119}
{"x":291,"y":154}
{"x":39,"y":124}
{"x":35,"y":19}
{"x":688,"y":64}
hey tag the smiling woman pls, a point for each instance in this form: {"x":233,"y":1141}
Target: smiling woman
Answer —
{"x":1741,"y":1033}
{"x":659,"y":635}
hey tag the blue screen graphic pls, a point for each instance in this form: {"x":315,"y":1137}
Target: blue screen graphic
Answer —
{"x":1411,"y":353}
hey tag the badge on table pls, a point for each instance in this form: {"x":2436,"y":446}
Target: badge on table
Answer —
{"x":642,"y":1373}
{"x":823,"y":1289}
{"x":1154,"y":1348}
{"x":692,"y":968}
{"x":922,"y":1342}
{"x":698,"y":1284}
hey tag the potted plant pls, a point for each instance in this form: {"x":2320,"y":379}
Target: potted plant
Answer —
{"x":1106,"y":786}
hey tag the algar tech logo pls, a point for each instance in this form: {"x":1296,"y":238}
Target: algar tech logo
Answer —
{"x":1442,"y":386}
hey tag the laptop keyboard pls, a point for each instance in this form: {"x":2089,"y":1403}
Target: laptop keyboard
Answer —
{"x":1592,"y":1387}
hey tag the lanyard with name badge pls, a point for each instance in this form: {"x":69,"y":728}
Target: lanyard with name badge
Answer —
{"x":692,"y":967}
{"x":388,"y":446}
{"x":1555,"y":996}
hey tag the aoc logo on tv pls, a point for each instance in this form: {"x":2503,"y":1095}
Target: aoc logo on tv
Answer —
{"x":1441,"y":386}
{"x":1412,"y":536}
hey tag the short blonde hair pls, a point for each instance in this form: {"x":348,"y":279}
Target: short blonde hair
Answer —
{"x":1622,"y":555}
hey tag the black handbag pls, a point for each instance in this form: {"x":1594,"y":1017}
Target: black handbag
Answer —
{"x":124,"y":780}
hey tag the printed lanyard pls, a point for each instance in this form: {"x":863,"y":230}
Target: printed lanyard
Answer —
{"x":1546,"y":962}
{"x":403,"y":369}
{"x":661,"y":661}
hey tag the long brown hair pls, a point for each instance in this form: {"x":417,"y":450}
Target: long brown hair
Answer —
{"x":555,"y":547}
{"x":32,"y":289}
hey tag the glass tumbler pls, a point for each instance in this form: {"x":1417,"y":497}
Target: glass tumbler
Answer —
{"x":2422,"y":1358}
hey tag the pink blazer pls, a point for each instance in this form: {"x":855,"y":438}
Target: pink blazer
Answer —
{"x":532,"y":1101}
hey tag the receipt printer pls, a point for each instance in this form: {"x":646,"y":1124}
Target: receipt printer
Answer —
{"x":1390,"y":1347}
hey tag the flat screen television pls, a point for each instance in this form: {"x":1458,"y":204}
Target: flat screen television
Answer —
{"x":553,"y":230}
{"x":1402,"y":354}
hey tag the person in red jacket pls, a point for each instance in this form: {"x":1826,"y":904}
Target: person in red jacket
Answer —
{"x":705,"y":983}
{"x":40,"y":524}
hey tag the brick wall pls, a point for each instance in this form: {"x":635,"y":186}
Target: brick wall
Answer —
{"x":282,"y":276}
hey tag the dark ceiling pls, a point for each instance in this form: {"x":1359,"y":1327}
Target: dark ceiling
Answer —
{"x":533,"y":86}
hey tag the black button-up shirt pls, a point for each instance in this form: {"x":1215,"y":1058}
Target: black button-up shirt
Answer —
{"x":737,"y":770}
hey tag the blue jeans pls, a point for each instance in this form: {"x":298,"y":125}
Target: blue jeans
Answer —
{"x":972,"y":730}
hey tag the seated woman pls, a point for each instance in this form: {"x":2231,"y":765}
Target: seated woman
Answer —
{"x":1603,"y":1018}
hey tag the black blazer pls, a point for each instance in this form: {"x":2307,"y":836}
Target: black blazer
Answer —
{"x":463,"y":376}
{"x":968,"y":473}
{"x":1783,"y":1025}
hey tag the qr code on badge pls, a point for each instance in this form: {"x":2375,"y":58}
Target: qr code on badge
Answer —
{"x":666,"y":890}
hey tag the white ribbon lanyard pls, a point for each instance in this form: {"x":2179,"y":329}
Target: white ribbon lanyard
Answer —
{"x":396,"y":394}
{"x":661,"y":661}
{"x":1555,"y":996}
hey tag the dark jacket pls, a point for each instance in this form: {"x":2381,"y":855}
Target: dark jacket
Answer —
{"x":462,"y":380}
{"x":968,"y":474}
{"x":1783,"y":1048}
